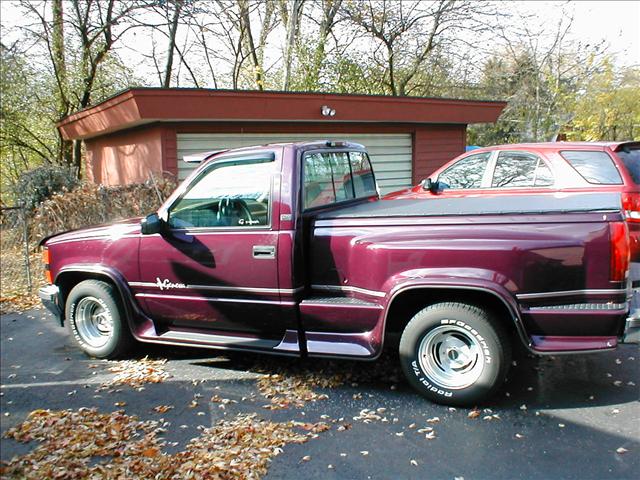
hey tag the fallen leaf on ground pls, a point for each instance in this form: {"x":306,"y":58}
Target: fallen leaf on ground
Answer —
{"x":368,"y":416}
{"x":85,"y":443}
{"x":162,"y":408}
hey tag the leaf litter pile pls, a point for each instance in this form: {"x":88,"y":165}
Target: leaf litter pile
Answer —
{"x":293,"y":385}
{"x":136,"y":373}
{"x":87,"y":444}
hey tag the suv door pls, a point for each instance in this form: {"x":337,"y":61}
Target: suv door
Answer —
{"x":467,"y":173}
{"x":216,"y":268}
{"x":520,"y":170}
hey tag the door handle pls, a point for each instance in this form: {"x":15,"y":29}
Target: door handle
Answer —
{"x":264,"y":251}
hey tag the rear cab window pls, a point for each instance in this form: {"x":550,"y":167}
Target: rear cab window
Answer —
{"x":631,"y":159}
{"x":334,"y":177}
{"x":594,"y":166}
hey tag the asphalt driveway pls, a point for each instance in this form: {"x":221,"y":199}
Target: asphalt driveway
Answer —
{"x":557,"y":417}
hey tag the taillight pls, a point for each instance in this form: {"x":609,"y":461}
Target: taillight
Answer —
{"x":46,"y":259}
{"x":620,"y":251}
{"x":631,"y":207}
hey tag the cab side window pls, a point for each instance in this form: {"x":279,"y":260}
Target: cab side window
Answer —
{"x":466,"y":173}
{"x":229,"y":194}
{"x":519,"y":169}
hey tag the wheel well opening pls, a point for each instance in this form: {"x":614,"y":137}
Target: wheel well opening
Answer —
{"x":407,"y":304}
{"x":66,"y":281}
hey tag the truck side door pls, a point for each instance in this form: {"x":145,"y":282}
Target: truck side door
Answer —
{"x":215,"y":270}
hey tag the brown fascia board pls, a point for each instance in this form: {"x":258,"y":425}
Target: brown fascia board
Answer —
{"x":145,"y":105}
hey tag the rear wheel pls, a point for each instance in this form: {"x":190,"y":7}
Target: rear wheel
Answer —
{"x":96,"y":319}
{"x":455,"y":353}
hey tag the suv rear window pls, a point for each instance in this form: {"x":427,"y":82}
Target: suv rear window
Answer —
{"x":631,"y":160}
{"x":595,"y":167}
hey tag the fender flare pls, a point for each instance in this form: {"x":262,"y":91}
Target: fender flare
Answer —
{"x":132,"y":309}
{"x":495,"y":290}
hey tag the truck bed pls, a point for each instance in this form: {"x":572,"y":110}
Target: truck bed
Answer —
{"x":481,"y":205}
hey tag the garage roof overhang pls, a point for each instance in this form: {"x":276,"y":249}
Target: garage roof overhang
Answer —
{"x":140,"y":106}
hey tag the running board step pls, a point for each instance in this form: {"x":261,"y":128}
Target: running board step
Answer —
{"x":185,"y":336}
{"x":340,"y":302}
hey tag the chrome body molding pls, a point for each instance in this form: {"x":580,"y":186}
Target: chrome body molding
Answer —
{"x":212,"y":299}
{"x":582,"y":306}
{"x":340,"y":288}
{"x":288,"y":291}
{"x":96,"y":237}
{"x":569,"y":293}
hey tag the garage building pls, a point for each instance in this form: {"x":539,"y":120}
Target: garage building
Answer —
{"x":149,"y":130}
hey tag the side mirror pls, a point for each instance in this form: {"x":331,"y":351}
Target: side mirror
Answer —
{"x":151,"y":224}
{"x":430,"y":185}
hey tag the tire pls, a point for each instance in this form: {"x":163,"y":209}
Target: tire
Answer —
{"x":96,"y":319}
{"x":455,"y":354}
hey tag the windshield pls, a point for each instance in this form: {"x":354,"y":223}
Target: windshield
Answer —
{"x":631,"y":160}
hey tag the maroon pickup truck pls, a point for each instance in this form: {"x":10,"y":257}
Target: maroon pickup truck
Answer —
{"x":289,"y":249}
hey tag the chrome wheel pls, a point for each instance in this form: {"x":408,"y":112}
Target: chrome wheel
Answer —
{"x":451,"y":357}
{"x":93,"y":322}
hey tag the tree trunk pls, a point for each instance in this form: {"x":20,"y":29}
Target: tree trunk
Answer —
{"x":77,"y":156}
{"x":172,"y":43}
{"x":328,"y":19}
{"x":65,"y":152}
{"x":249,"y":43}
{"x":292,"y":28}
{"x":392,"y":72}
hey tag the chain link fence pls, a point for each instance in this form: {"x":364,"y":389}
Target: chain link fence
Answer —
{"x":20,"y":266}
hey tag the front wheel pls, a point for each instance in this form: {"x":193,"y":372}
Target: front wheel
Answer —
{"x":455,"y":353}
{"x":96,"y":319}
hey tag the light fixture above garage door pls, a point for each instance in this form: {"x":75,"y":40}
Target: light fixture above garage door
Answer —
{"x":327,"y":111}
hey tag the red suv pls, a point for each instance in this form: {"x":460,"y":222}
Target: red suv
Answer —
{"x":542,"y":167}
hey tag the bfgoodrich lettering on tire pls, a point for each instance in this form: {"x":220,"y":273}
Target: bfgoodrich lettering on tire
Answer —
{"x":454,"y":353}
{"x":96,"y":319}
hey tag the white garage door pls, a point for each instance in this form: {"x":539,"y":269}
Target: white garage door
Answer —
{"x":390,"y":153}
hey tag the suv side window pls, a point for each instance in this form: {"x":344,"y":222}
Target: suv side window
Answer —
{"x":594,"y":166}
{"x":331,"y":177}
{"x":466,"y":173}
{"x":519,"y":169}
{"x":229,"y":194}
